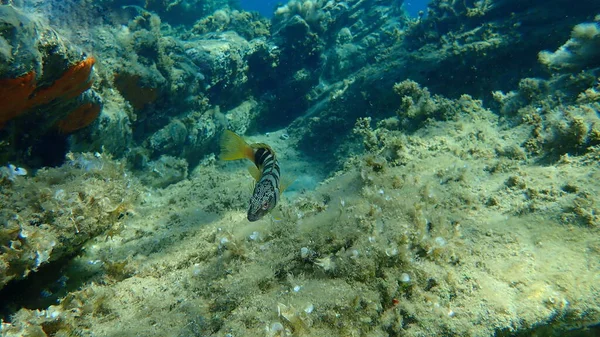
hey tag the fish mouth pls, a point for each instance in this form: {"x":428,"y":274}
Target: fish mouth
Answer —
{"x":253,"y":217}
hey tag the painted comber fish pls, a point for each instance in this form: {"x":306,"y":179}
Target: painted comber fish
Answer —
{"x":265,"y":171}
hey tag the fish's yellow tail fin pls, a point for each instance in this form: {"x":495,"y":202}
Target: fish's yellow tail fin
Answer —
{"x":233,"y":147}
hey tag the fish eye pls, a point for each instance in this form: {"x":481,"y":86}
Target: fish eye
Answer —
{"x":265,"y":205}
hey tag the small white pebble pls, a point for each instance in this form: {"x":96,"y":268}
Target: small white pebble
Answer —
{"x":254,"y":236}
{"x":23,"y":234}
{"x":297,"y":288}
{"x":276,"y":327}
{"x":440,"y":241}
{"x":17,"y":171}
{"x":405,"y":278}
{"x":393,"y":251}
{"x":59,"y":194}
{"x":309,"y":308}
{"x":304,"y":252}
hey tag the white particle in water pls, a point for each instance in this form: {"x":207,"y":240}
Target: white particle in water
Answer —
{"x":254,"y":236}
{"x":276,"y":327}
{"x":440,"y":241}
{"x":196,"y":269}
{"x":304,"y":252}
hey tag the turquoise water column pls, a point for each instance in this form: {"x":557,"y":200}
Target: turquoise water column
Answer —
{"x":267,"y":7}
{"x":414,"y":6}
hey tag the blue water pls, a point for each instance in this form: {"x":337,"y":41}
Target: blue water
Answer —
{"x":414,"y":6}
{"x":267,"y":7}
{"x":264,"y":7}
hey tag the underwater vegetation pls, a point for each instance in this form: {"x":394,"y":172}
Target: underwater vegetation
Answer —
{"x":446,"y":169}
{"x":52,"y":215}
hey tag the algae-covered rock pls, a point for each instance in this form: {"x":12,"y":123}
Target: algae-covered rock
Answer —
{"x":169,"y":139}
{"x":18,"y":54}
{"x":112,"y":133}
{"x":240,"y":118}
{"x":184,"y":12}
{"x":50,"y":216}
{"x":458,"y":45}
{"x":315,"y":49}
{"x":248,"y":25}
{"x":471,"y":44}
{"x":562,"y":110}
{"x":45,"y":88}
{"x":220,"y":57}
{"x":581,"y":51}
{"x":164,"y":171}
{"x":446,"y":231}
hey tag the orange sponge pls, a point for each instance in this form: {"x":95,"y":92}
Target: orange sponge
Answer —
{"x":79,"y":118}
{"x":20,"y":94}
{"x":14,"y":96}
{"x":71,"y":84}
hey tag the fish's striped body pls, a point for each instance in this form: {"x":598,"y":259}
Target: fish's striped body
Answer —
{"x":266,"y":172}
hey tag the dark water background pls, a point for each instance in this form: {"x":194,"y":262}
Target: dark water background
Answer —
{"x":267,"y":7}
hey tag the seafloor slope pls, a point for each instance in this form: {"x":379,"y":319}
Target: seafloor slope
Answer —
{"x":453,"y":230}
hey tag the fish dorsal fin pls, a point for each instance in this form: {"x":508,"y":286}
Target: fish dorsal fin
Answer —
{"x":254,"y":172}
{"x":233,"y":147}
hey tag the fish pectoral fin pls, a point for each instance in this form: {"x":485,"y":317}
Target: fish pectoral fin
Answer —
{"x":276,"y":214}
{"x":254,"y":172}
{"x":251,"y":187}
{"x":285,"y":182}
